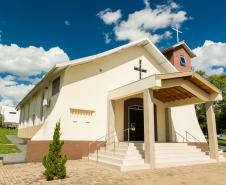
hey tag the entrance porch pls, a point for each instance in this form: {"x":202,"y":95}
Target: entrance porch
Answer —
{"x":143,"y":110}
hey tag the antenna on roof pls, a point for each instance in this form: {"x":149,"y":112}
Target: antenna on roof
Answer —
{"x":177,"y":31}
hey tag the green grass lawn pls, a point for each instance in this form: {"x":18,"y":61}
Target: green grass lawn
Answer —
{"x":222,"y":142}
{"x":5,"y":149}
{"x":5,"y":131}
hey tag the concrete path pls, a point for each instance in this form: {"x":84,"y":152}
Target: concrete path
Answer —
{"x":90,"y":173}
{"x":15,"y":157}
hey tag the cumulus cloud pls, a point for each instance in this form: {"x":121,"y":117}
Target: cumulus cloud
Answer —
{"x":107,"y":38}
{"x":11,"y":92}
{"x":211,"y":57}
{"x":67,"y":22}
{"x":24,"y":64}
{"x":30,"y":61}
{"x":110,"y":17}
{"x":147,"y":3}
{"x":148,"y":22}
{"x":0,"y":35}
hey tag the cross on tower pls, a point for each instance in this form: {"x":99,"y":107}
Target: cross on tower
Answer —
{"x":140,"y":69}
{"x":178,"y":31}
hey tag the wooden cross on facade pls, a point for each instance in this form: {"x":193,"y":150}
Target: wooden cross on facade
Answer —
{"x":140,"y":69}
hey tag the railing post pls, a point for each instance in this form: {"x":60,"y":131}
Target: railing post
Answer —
{"x":128,"y":136}
{"x":88,"y":151}
{"x":97,"y":155}
{"x":114,"y":144}
{"x":186,"y":135}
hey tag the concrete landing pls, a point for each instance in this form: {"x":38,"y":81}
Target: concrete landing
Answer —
{"x":15,"y":157}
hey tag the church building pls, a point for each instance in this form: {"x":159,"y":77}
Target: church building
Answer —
{"x":131,"y":107}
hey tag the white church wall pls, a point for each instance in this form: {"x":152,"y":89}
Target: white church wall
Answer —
{"x":86,"y":87}
{"x":184,"y":119}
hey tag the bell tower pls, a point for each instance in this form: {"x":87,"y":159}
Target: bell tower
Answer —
{"x":180,"y":56}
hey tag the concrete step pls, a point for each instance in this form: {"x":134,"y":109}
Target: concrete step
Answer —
{"x":130,"y":156}
{"x":184,"y":163}
{"x":122,"y":155}
{"x":175,"y":160}
{"x":117,"y":158}
{"x":118,"y":161}
{"x":176,"y":155}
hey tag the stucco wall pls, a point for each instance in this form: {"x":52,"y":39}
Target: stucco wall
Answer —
{"x":184,"y":119}
{"x":86,"y":87}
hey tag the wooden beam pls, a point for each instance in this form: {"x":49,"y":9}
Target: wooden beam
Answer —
{"x":212,"y":132}
{"x":149,"y":128}
{"x":195,"y":90}
{"x":187,"y":101}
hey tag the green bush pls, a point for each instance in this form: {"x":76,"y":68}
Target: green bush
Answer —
{"x":53,"y":162}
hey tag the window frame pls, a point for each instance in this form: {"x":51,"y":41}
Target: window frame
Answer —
{"x":185,"y":61}
{"x":56,"y":86}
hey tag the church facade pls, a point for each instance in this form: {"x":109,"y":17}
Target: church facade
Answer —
{"x":133,"y":93}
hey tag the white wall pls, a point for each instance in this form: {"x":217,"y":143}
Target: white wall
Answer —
{"x":86,"y":87}
{"x":11,"y":115}
{"x":184,"y":119}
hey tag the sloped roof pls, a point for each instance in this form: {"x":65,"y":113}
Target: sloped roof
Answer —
{"x":145,"y":43}
{"x":184,"y":45}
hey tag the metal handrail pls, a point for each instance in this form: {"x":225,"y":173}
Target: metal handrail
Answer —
{"x":107,"y":143}
{"x":184,"y":139}
{"x":107,"y":137}
{"x":191,"y":136}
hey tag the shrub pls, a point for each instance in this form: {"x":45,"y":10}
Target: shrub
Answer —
{"x":53,"y":162}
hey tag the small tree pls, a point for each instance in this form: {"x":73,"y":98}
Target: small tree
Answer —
{"x":1,"y":120}
{"x":53,"y":162}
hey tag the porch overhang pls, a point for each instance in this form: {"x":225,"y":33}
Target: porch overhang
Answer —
{"x":172,"y":89}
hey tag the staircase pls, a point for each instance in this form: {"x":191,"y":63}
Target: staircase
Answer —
{"x":126,"y":157}
{"x":178,"y":154}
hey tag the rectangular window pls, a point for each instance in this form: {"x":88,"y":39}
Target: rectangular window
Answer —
{"x":56,"y":86}
{"x":28,"y":113}
{"x":41,"y":111}
{"x":12,"y":112}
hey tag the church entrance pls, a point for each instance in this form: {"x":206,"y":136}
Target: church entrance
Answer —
{"x":134,"y":119}
{"x":136,"y":123}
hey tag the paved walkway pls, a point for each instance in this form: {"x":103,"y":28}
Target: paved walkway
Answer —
{"x":89,"y":173}
{"x":15,"y":157}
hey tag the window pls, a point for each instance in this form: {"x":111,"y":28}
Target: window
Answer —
{"x":12,"y":112}
{"x":41,"y":108}
{"x":182,"y":60}
{"x":56,"y":86}
{"x":28,"y":113}
{"x":33,"y":119}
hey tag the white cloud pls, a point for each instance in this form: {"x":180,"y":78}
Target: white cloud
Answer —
{"x":107,"y":38}
{"x":211,"y":57}
{"x":30,"y":61}
{"x":11,"y":92}
{"x":147,"y":3}
{"x":148,"y":22}
{"x":110,"y":17}
{"x":67,"y":22}
{"x":26,"y":64}
{"x":0,"y":35}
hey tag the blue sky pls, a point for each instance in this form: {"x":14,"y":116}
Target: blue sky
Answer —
{"x":41,"y":23}
{"x":36,"y":34}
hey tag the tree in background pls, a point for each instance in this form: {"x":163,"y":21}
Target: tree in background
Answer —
{"x":219,"y":107}
{"x":53,"y":162}
{"x":1,"y":120}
